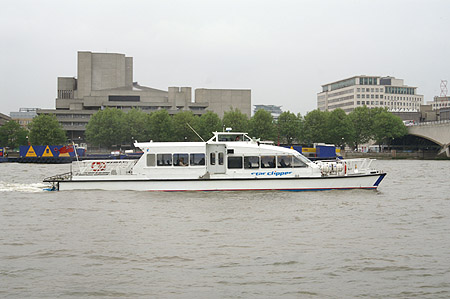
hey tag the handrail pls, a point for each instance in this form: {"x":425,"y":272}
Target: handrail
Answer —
{"x":429,"y":123}
{"x":59,"y":177}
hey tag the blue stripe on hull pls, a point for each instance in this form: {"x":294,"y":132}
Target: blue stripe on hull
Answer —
{"x":379,"y":180}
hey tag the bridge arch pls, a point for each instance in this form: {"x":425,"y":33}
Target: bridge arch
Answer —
{"x":437,"y":132}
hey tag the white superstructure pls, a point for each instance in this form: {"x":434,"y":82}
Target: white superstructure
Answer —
{"x":228,"y":161}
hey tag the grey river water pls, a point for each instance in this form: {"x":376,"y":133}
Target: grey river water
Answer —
{"x":390,"y":243}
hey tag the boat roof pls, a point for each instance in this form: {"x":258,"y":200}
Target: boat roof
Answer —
{"x":230,"y":137}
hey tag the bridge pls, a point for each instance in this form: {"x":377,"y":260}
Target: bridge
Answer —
{"x":435,"y":131}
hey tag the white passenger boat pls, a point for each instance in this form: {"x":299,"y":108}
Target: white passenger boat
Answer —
{"x":229,"y":161}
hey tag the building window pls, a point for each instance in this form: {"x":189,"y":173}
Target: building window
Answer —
{"x":251,"y":162}
{"x":234,"y":162}
{"x":124,"y":98}
{"x":150,"y":160}
{"x":197,"y":159}
{"x":284,"y":161}
{"x":164,"y":159}
{"x":298,"y":163}
{"x":180,"y":159}
{"x":267,"y":161}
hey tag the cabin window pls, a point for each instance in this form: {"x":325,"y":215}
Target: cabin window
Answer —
{"x":251,"y":162}
{"x":284,"y":161}
{"x":212,"y":159}
{"x":220,"y":158}
{"x":164,"y":159}
{"x":150,"y":160}
{"x":298,"y":163}
{"x":197,"y":159}
{"x":180,"y":159}
{"x":267,"y":161}
{"x":234,"y":162}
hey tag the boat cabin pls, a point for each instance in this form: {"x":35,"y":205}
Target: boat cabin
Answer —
{"x":225,"y":153}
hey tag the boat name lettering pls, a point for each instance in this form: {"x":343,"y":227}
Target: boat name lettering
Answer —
{"x":270,"y":173}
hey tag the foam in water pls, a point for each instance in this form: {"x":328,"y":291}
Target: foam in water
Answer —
{"x":16,"y":187}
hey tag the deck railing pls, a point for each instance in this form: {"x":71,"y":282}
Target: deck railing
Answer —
{"x":103,"y":167}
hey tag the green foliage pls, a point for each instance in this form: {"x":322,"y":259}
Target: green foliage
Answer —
{"x":316,"y":127}
{"x":12,"y":135}
{"x":340,"y":130}
{"x":46,"y":130}
{"x":289,"y":127}
{"x":387,"y":126}
{"x":236,"y":120}
{"x":262,"y":126}
{"x":361,"y":123}
{"x":113,"y":126}
{"x":208,"y":123}
{"x":107,"y":127}
{"x":181,"y":130}
{"x":161,"y":126}
{"x":136,"y":127}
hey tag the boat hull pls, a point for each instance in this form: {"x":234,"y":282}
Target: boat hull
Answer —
{"x":367,"y":181}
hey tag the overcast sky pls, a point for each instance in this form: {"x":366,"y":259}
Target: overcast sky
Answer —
{"x":282,"y":50}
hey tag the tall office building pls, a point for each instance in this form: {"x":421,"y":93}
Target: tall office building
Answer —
{"x":371,"y":91}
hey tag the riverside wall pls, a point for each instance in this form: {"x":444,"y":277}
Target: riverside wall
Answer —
{"x":394,"y":154}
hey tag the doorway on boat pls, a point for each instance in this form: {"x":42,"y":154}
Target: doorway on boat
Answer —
{"x":216,"y":158}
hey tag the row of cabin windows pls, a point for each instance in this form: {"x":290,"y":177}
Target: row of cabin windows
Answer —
{"x":175,"y":160}
{"x":234,"y":162}
{"x":251,"y":162}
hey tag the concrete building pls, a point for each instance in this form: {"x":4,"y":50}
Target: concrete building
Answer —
{"x":444,"y":114}
{"x":24,"y":116}
{"x":222,"y":100}
{"x":275,"y":111}
{"x":106,"y":80}
{"x":4,"y":119}
{"x":371,"y":91}
{"x":439,"y":103}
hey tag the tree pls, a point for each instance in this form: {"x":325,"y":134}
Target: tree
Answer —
{"x":386,"y":127}
{"x":316,"y":126}
{"x":289,"y":127}
{"x":136,"y":126}
{"x":262,"y":126}
{"x":107,"y":127}
{"x":361,"y":122}
{"x":209,"y":123}
{"x":339,"y":128}
{"x":12,"y":135}
{"x":46,"y":130}
{"x":236,"y":120}
{"x":181,"y":129}
{"x":161,"y":126}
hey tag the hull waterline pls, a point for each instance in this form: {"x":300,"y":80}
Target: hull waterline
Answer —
{"x":285,"y":184}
